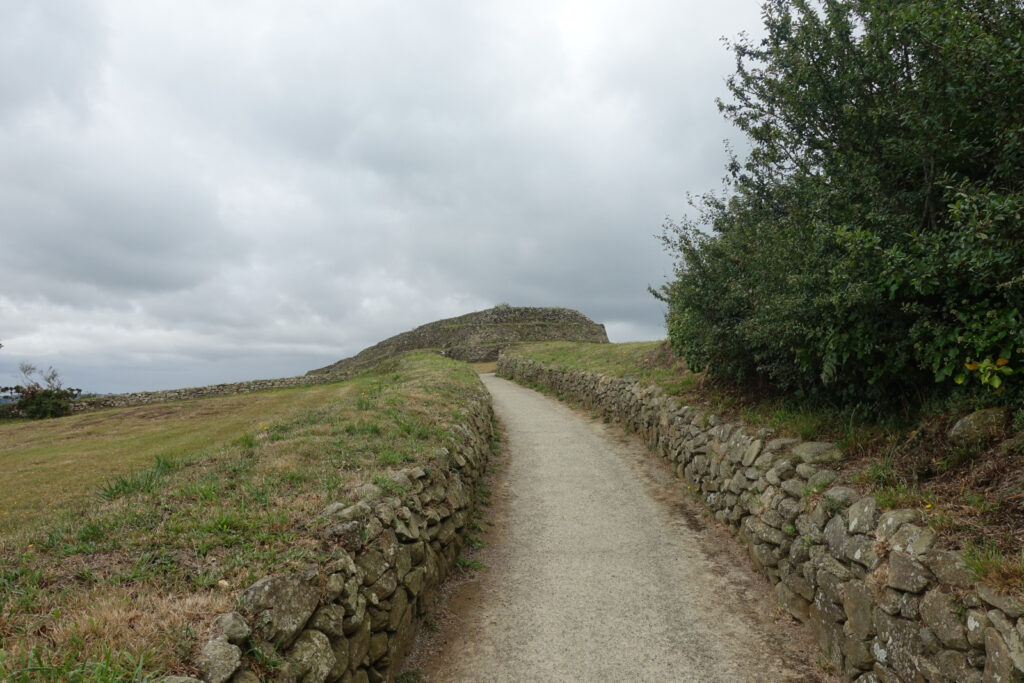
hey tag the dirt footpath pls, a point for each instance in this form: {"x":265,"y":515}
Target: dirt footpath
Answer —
{"x":598,"y":568}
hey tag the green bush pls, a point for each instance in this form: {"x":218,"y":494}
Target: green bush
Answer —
{"x":40,"y":395}
{"x":870,"y":246}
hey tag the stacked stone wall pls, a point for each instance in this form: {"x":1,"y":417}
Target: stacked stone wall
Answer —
{"x":149,"y":397}
{"x":353,"y":618}
{"x":884,"y":602}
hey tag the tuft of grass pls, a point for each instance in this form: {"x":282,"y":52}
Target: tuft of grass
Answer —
{"x":146,"y":481}
{"x":987,"y":563}
{"x":472,"y":565}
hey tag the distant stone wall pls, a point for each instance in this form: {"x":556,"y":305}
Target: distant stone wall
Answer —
{"x":354,"y":617}
{"x":478,"y":337}
{"x":147,"y":397}
{"x":884,"y":602}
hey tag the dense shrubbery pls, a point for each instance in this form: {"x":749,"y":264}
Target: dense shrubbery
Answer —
{"x":40,"y":395}
{"x":871,"y":244}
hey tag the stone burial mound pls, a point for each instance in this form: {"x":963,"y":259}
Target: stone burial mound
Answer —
{"x":478,"y":337}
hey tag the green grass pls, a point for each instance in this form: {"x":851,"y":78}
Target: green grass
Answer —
{"x":53,"y":465}
{"x":119,"y":580}
{"x":650,"y":363}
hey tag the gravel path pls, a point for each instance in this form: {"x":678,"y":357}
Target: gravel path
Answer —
{"x":598,"y":568}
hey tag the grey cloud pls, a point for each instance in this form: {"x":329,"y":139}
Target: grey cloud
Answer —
{"x":230,"y":190}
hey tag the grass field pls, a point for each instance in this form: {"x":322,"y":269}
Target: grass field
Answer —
{"x":62,"y":464}
{"x":138,"y":525}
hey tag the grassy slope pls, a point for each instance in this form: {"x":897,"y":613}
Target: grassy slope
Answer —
{"x":124,"y":587}
{"x":973,"y":498}
{"x":59,"y":464}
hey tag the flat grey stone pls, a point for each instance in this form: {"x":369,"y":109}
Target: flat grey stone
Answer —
{"x":1010,"y":606}
{"x":862,"y":516}
{"x":817,"y":452}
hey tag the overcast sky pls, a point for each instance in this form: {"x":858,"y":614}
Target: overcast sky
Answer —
{"x":201,"y":192}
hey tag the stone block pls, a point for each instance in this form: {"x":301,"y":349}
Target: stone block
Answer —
{"x":906,"y":573}
{"x":1009,"y":605}
{"x":913,"y":540}
{"x":897,"y":645}
{"x":218,"y":660}
{"x":816,"y":452}
{"x":861,"y":549}
{"x":858,"y":604}
{"x":863,"y":516}
{"x":793,"y":603}
{"x":280,"y":606}
{"x":937,"y":612}
{"x":311,"y":658}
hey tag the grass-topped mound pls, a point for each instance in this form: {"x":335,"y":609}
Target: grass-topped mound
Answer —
{"x":480,"y":336}
{"x":121,"y":583}
{"x":971,"y":493}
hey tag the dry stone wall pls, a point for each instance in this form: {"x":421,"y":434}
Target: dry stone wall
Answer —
{"x":884,"y":602}
{"x":140,"y":398}
{"x":353,"y":618}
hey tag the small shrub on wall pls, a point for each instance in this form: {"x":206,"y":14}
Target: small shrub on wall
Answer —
{"x":40,"y":395}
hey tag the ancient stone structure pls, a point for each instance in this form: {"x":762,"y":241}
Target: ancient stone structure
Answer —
{"x":478,"y":337}
{"x":884,"y":602}
{"x":353,"y":617}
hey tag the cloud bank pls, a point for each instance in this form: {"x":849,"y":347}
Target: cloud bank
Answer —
{"x":195,"y":192}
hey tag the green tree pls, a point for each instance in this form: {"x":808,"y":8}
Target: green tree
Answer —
{"x":870,"y":244}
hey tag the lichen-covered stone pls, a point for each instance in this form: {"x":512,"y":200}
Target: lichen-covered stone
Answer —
{"x":280,"y":606}
{"x":1008,"y":605}
{"x":862,"y":516}
{"x":897,"y":644}
{"x":938,"y":614}
{"x":817,"y":452}
{"x":998,"y":665}
{"x":232,"y":626}
{"x":841,"y":495}
{"x":218,"y":660}
{"x":980,"y":428}
{"x":793,"y":603}
{"x":414,"y":580}
{"x":890,"y":522}
{"x":311,"y":658}
{"x":913,"y":540}
{"x":858,"y":602}
{"x":906,"y":573}
{"x":861,"y":549}
{"x":835,"y":536}
{"x":976,"y":622}
{"x":329,"y":620}
{"x":948,"y":568}
{"x":359,"y":644}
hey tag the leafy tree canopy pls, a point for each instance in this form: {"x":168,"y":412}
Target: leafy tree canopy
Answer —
{"x":870,"y":245}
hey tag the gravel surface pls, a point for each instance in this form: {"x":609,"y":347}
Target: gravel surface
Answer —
{"x":599,"y":568}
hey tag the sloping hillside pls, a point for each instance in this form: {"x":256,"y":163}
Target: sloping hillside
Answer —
{"x":478,"y":337}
